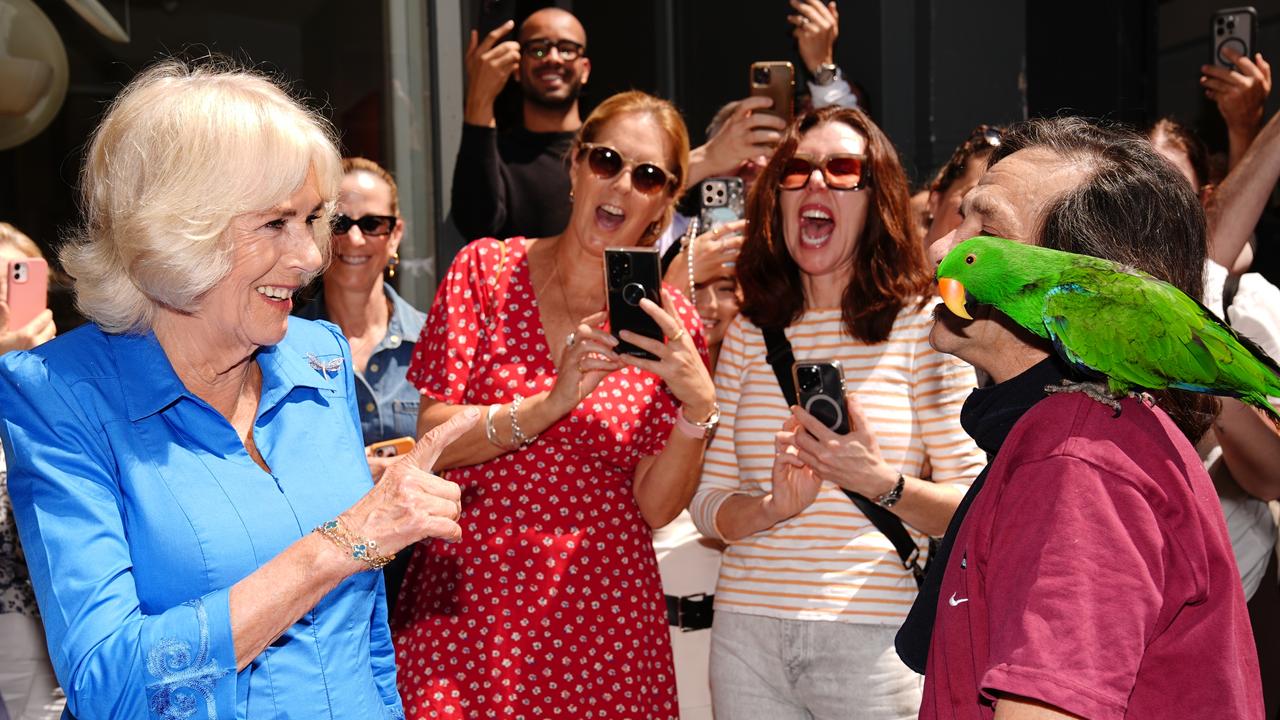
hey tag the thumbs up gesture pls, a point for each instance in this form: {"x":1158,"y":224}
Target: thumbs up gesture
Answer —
{"x":410,"y":503}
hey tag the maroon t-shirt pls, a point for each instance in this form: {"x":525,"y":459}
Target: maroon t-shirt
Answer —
{"x":1094,"y":573}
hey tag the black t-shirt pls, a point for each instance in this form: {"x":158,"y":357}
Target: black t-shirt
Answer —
{"x":512,"y":183}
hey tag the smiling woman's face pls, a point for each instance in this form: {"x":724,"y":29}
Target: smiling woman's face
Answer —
{"x":275,"y":254}
{"x":717,"y":302}
{"x":359,"y":259}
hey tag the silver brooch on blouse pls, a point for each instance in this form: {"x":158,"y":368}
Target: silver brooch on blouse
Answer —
{"x":328,"y":368}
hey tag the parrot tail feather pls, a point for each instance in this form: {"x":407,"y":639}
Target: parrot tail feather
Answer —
{"x":1262,"y":403}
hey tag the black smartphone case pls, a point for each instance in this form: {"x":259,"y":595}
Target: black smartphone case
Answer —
{"x":632,"y":274}
{"x":820,"y":391}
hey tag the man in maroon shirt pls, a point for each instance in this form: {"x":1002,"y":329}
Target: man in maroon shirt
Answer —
{"x":1090,"y":573}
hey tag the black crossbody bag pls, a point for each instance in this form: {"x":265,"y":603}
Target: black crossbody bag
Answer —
{"x":781,"y":358}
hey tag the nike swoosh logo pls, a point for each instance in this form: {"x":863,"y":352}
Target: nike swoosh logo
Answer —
{"x":952,"y":601}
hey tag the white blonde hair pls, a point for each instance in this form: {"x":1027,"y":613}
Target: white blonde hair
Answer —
{"x":182,"y":151}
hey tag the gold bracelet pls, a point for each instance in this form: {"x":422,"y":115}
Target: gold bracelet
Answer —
{"x":362,"y":549}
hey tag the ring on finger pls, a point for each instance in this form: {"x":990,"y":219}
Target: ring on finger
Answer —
{"x":571,"y":338}
{"x":676,"y":337}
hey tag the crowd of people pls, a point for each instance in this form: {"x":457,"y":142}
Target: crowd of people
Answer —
{"x":221,"y":504}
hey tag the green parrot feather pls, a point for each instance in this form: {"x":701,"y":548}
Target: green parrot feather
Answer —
{"x":1112,"y":320}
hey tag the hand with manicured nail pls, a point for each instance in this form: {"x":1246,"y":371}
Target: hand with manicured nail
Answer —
{"x":409,"y":503}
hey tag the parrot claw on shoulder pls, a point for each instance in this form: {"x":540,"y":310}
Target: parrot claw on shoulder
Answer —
{"x":1095,"y":390}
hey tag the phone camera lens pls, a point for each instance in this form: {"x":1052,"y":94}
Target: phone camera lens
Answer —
{"x":1221,"y":32}
{"x":633,"y":293}
{"x":760,"y":76}
{"x":619,"y":269}
{"x":808,"y":377}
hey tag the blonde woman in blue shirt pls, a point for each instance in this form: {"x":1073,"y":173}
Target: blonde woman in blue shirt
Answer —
{"x":187,"y":471}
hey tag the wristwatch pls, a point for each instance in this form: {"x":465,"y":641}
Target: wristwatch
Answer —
{"x":826,"y":74}
{"x":891,"y":498}
{"x":699,"y":430}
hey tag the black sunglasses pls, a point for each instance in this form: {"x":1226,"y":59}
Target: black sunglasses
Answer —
{"x":568,"y":49}
{"x":841,"y":172}
{"x":605,"y":163}
{"x":370,"y":225}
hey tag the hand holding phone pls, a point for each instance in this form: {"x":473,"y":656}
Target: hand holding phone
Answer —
{"x":632,"y":274}
{"x":776,"y":80}
{"x":820,"y":391}
{"x":490,"y":64}
{"x":24,"y":319}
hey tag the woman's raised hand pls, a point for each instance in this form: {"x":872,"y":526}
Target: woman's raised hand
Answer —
{"x":409,"y":503}
{"x":715,"y":252}
{"x":678,"y":363}
{"x":587,"y":358}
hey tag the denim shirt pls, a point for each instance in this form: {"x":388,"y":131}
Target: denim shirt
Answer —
{"x":139,"y":508}
{"x":388,"y":402}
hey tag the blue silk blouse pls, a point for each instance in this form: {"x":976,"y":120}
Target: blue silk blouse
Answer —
{"x":139,"y":507}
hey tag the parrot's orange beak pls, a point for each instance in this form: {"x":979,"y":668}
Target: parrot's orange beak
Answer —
{"x":952,"y":293}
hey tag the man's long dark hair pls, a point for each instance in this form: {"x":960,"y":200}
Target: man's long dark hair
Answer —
{"x":1133,"y":208}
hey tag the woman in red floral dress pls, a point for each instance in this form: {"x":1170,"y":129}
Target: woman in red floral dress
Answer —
{"x":551,"y":604}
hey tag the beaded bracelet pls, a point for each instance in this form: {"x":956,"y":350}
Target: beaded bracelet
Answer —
{"x":688,"y":255}
{"x":517,"y":435}
{"x":362,"y":549}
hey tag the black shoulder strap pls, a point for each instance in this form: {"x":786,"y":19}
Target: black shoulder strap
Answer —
{"x":781,"y":357}
{"x":1229,"y":289}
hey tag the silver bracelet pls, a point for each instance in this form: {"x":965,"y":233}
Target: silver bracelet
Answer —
{"x":518,"y":438}
{"x":891,"y":496}
{"x":688,"y":255}
{"x":490,"y":432}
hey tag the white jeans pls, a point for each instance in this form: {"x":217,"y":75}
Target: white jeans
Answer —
{"x":772,"y":669}
{"x":27,"y":685}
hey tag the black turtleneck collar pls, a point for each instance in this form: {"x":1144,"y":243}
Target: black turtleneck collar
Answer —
{"x":988,"y":415}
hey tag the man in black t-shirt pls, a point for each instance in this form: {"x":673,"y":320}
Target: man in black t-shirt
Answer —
{"x":517,"y":182}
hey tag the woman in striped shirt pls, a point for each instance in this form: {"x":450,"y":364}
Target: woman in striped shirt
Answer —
{"x":810,"y":594}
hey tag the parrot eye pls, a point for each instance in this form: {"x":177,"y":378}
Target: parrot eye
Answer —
{"x":968,"y":259}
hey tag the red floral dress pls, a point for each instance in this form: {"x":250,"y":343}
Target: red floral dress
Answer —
{"x":551,"y":604}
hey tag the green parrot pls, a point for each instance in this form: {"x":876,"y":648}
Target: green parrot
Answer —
{"x":1110,"y":320}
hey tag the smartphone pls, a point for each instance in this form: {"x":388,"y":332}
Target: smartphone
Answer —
{"x":720,"y":201}
{"x":494,"y":13}
{"x":775,"y":79}
{"x":820,"y":391}
{"x":631,"y":274}
{"x":1235,"y":28}
{"x":391,"y":448}
{"x":28,"y":290}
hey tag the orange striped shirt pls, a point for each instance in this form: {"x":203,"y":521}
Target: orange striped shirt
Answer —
{"x":829,"y":562}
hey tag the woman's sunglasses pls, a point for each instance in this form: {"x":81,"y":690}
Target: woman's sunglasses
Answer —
{"x":841,"y":172}
{"x":370,"y":225}
{"x":605,"y":163}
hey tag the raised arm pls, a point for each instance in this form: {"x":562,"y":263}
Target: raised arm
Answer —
{"x":479,"y":193}
{"x":1240,"y":94}
{"x":1238,"y":202}
{"x":748,"y":134}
